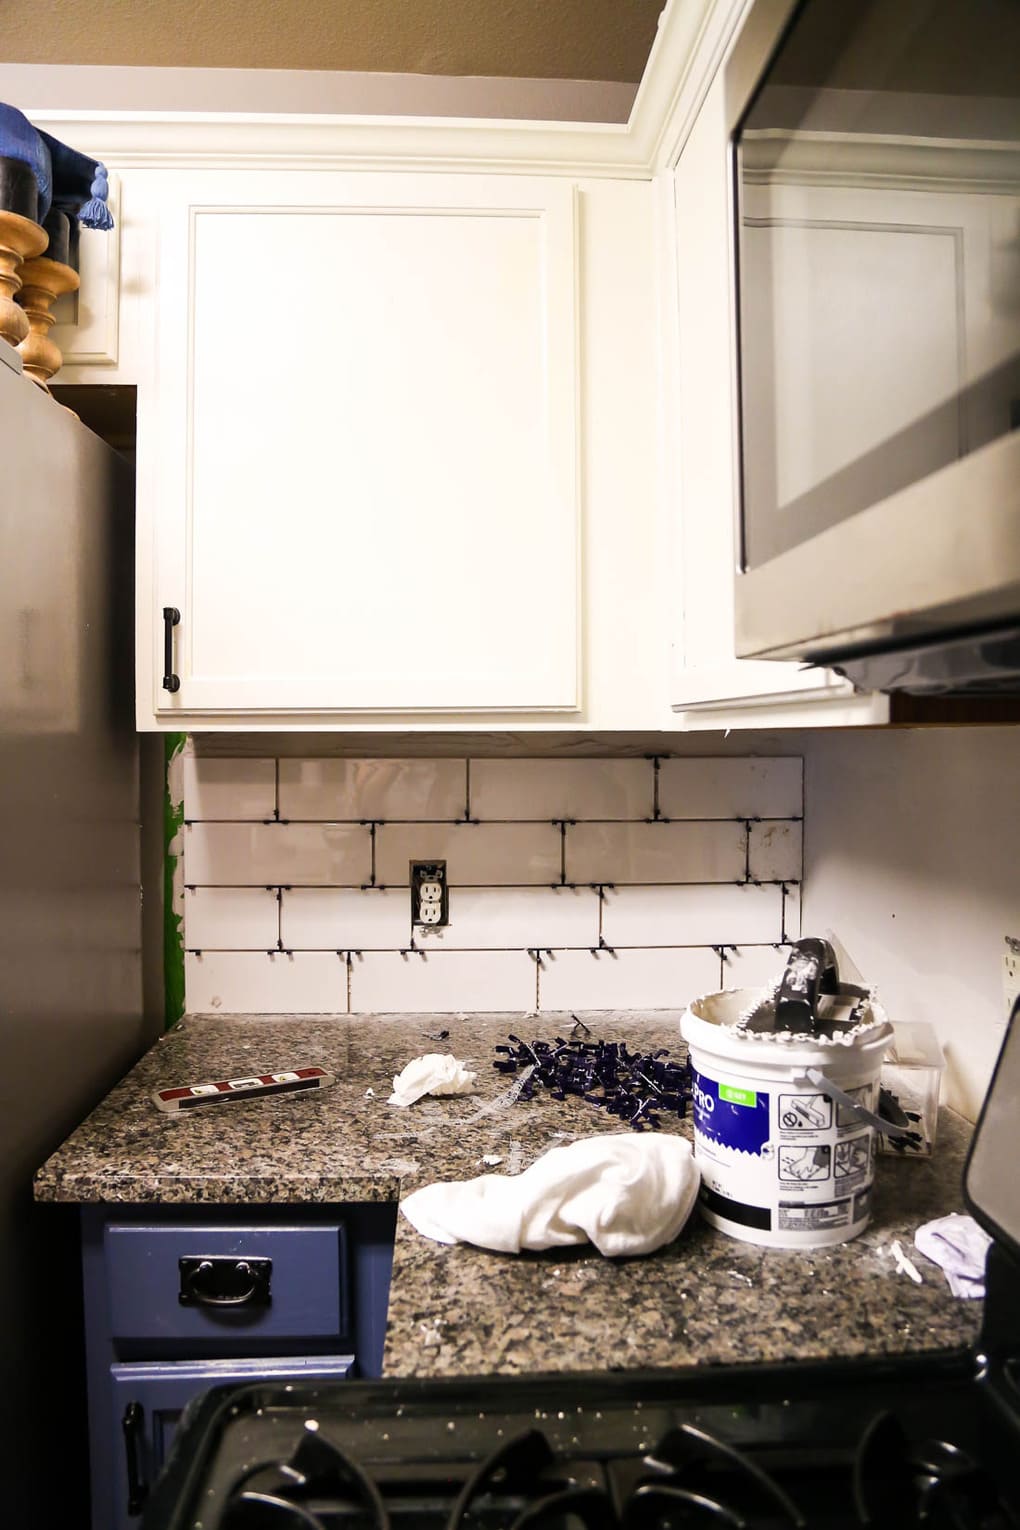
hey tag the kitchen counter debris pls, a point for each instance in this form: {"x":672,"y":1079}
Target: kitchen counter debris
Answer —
{"x":457,"y":1310}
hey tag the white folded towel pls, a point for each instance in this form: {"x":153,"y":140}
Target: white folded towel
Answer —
{"x":960,"y":1246}
{"x":628,"y":1194}
{"x":435,"y":1073}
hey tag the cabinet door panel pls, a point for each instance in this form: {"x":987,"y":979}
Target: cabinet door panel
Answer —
{"x":373,"y":397}
{"x":156,"y":1396}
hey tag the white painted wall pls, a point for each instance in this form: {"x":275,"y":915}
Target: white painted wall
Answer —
{"x":912,"y":858}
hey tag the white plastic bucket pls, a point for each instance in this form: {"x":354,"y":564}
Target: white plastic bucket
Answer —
{"x":782,"y":1163}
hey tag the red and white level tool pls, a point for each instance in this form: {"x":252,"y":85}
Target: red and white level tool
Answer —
{"x":189,"y":1095}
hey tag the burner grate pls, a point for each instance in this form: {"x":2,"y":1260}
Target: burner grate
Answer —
{"x":794,"y":1448}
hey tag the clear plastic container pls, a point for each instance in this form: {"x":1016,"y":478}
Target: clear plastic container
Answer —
{"x":912,"y":1073}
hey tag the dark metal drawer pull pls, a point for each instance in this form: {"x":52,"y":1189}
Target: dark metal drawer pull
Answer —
{"x":133,"y":1423}
{"x":223,"y":1280}
{"x":171,"y":616}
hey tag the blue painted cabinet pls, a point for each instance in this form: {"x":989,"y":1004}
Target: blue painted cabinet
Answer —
{"x":181,"y":1299}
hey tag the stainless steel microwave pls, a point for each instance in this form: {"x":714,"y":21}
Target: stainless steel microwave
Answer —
{"x":875,"y":154}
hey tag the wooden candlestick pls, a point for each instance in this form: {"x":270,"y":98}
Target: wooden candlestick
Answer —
{"x":42,"y":282}
{"x":20,"y":239}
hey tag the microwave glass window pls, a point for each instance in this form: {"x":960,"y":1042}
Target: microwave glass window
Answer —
{"x":878,"y":257}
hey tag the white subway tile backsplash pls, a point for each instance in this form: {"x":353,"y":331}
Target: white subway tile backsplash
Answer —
{"x":345,"y":918}
{"x":731,"y":788}
{"x":753,"y":966}
{"x":251,"y":982}
{"x":692,"y":916}
{"x":674,"y":887}
{"x":442,"y":982}
{"x":655,"y":852}
{"x":775,"y":852}
{"x":420,"y":790}
{"x":231,"y":918}
{"x":475,"y":854}
{"x":535,"y":789}
{"x":628,"y":979}
{"x":503,"y":917}
{"x":275,"y":853}
{"x":239,"y":789}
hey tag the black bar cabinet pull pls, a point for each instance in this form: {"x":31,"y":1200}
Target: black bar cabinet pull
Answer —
{"x":171,"y":616}
{"x":138,"y":1491}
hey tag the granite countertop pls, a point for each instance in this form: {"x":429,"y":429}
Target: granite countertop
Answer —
{"x":706,"y":1298}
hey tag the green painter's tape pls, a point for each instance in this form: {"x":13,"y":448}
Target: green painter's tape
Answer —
{"x":173,"y":938}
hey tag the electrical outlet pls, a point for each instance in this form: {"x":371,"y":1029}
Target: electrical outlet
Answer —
{"x":430,"y":903}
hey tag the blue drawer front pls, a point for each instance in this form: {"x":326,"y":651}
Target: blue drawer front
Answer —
{"x":307,"y":1293}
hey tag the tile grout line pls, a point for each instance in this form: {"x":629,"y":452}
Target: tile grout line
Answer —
{"x":499,"y":823}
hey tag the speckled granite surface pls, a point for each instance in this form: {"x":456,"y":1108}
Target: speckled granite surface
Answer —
{"x":462,"y":1311}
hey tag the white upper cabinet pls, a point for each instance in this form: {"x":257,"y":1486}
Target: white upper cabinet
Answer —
{"x":397,"y":451}
{"x":363,"y":448}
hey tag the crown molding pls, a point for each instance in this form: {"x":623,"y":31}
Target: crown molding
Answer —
{"x":170,"y":140}
{"x":680,"y":63}
{"x":693,"y":39}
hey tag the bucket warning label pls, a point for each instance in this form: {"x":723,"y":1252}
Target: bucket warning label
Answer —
{"x":730,"y":1116}
{"x":797,"y":1164}
{"x":805,"y":1112}
{"x":852,"y":1164}
{"x":794,"y":1216}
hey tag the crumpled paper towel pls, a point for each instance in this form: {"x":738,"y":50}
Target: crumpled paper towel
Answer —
{"x":960,"y":1246}
{"x":627,"y":1194}
{"x":435,"y":1073}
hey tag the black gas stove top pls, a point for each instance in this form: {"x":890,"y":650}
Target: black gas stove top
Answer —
{"x":925,"y":1440}
{"x":933,"y":1441}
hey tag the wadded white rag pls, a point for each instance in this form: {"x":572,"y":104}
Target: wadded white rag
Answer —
{"x":435,"y":1073}
{"x":958,"y":1244}
{"x":627,"y":1194}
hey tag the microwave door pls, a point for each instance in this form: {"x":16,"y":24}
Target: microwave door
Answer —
{"x":877,"y":225}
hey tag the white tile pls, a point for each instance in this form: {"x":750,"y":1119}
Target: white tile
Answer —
{"x":753,"y":966}
{"x":442,"y":982}
{"x":561,"y":789}
{"x":480,"y":855}
{"x":379,"y":789}
{"x":776,"y":854}
{"x":501,"y":917}
{"x":791,"y":914}
{"x":252,"y":983}
{"x":737,"y":787}
{"x":344,"y":919}
{"x":270,"y":854}
{"x":655,"y":852}
{"x":230,"y":918}
{"x":630,"y":979}
{"x":229,"y":788}
{"x":719,"y":914}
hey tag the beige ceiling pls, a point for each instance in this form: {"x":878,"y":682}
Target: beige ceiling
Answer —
{"x":537,"y":39}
